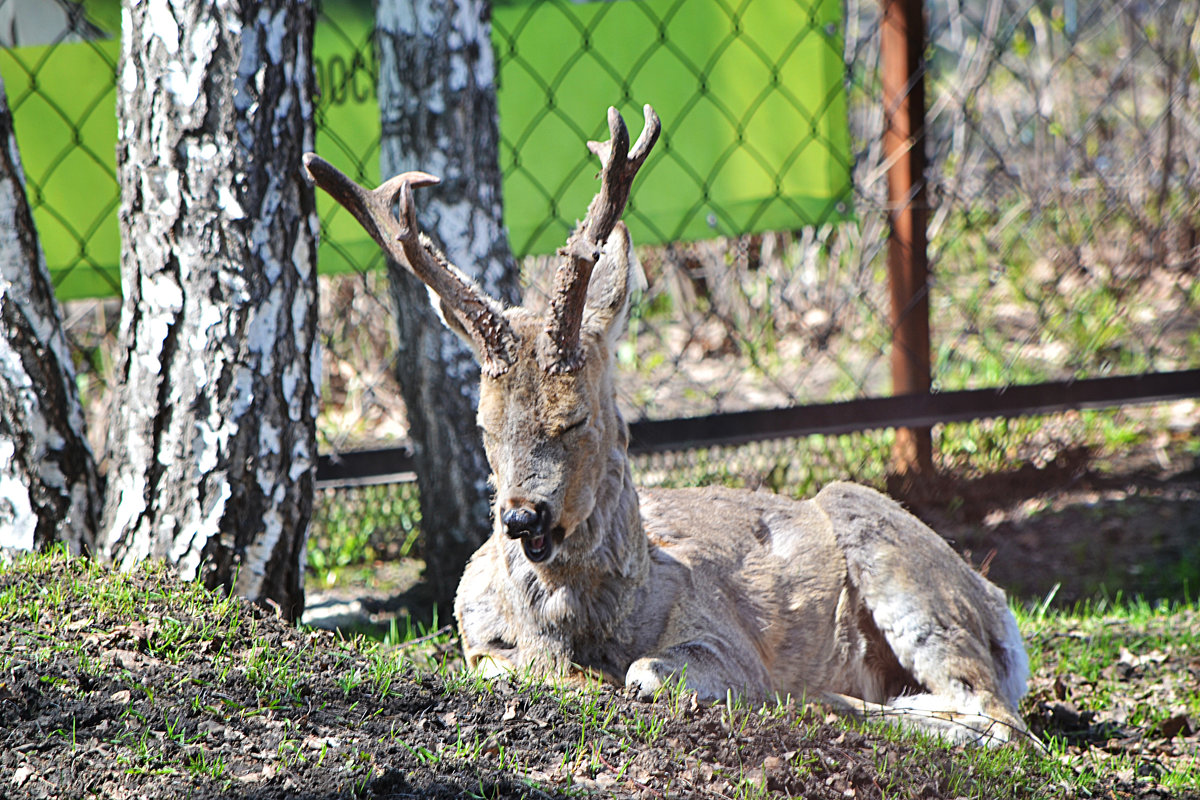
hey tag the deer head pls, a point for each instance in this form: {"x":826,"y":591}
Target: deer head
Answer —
{"x":547,"y":412}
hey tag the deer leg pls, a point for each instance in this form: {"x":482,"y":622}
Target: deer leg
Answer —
{"x":710,"y":669}
{"x":991,"y":725}
{"x":489,"y":640}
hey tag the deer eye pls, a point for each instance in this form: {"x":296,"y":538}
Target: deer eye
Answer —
{"x":575,"y":426}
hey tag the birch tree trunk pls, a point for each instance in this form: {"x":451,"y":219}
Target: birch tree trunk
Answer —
{"x":438,"y":105}
{"x":211,"y":460}
{"x":48,"y":486}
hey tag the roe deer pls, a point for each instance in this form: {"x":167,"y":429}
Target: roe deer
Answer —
{"x":845,"y":597}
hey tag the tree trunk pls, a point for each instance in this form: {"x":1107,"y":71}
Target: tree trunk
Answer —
{"x":48,"y":486}
{"x":438,"y":104}
{"x":211,"y":460}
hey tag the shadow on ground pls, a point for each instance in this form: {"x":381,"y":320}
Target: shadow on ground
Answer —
{"x":1074,"y":531}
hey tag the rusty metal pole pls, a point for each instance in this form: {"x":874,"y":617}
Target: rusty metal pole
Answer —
{"x":902,"y":58}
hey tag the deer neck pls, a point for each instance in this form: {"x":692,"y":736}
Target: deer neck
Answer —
{"x":590,"y":588}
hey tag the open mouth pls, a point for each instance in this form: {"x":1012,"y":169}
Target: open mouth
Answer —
{"x":537,"y":546}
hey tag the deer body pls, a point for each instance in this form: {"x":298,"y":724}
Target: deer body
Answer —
{"x":846,"y":597}
{"x":774,"y":601}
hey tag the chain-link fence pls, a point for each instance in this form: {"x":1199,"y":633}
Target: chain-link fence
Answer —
{"x":1063,"y":235}
{"x":747,"y":321}
{"x":1064,"y":207}
{"x":1066,"y":189}
{"x":1063,"y":182}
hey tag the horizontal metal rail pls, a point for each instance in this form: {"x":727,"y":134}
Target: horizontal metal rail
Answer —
{"x":395,"y":464}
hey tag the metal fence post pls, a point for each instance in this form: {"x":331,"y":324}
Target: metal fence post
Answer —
{"x":902,"y":46}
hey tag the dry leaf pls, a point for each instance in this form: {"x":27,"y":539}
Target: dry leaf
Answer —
{"x":22,"y":774}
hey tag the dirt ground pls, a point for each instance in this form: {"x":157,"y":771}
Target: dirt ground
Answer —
{"x":1076,"y":529}
{"x":115,"y":715}
{"x":112,"y":716}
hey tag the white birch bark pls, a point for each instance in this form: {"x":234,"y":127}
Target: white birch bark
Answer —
{"x":438,"y":106}
{"x":48,"y":484}
{"x":212,"y":456}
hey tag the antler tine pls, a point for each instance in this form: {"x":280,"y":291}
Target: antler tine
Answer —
{"x":619,"y":165}
{"x":651,"y":128}
{"x":402,"y":240}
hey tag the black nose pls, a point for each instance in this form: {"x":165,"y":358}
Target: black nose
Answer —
{"x":525,"y":521}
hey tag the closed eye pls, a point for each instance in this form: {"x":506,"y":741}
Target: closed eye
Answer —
{"x":574,"y":426}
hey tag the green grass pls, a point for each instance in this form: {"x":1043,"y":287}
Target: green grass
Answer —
{"x":1096,"y":644}
{"x":1081,"y":645}
{"x":1089,"y":639}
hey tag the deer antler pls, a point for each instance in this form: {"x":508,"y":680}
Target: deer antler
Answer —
{"x":403,"y":241}
{"x":619,"y":166}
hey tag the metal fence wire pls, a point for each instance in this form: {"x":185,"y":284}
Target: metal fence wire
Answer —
{"x":1063,"y":225}
{"x":1064,"y":192}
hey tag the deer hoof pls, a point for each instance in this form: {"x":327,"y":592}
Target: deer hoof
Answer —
{"x":644,"y":678}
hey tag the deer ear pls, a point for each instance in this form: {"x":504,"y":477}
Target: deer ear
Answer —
{"x":451,"y":320}
{"x":614,"y":277}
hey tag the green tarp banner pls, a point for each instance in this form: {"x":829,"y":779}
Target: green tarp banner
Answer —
{"x":64,"y":111}
{"x":347,"y":122}
{"x":751,"y":97}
